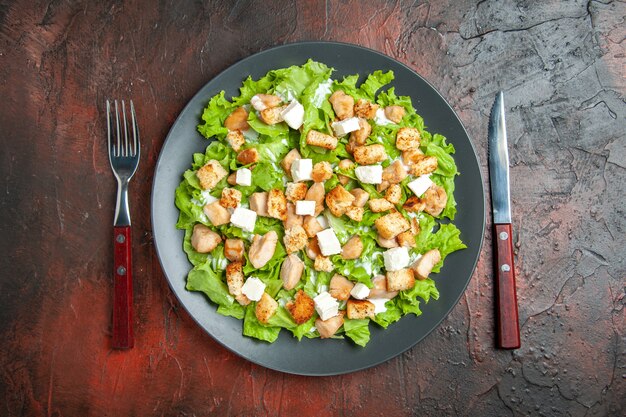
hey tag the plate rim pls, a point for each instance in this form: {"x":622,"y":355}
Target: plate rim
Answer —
{"x":255,"y":55}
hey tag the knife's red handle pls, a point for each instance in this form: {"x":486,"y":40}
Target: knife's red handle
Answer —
{"x":506,"y":310}
{"x":123,"y":289}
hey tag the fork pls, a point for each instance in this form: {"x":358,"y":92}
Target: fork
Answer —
{"x":124,"y":157}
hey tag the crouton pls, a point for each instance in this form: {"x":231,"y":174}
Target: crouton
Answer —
{"x":272,"y":115}
{"x":412,"y":156}
{"x":386,"y":243}
{"x":423,"y":165}
{"x":365,"y":108}
{"x":237,"y":120}
{"x":203,"y":239}
{"x":262,"y":249}
{"x":358,"y":137}
{"x":327,"y":328}
{"x":292,"y":218}
{"x":413,"y":204}
{"x":360,"y":309}
{"x":234,"y":280}
{"x":265,"y":308}
{"x":235,"y":139}
{"x":258,"y":203}
{"x":400,"y":280}
{"x":295,"y":239}
{"x":322,"y":171}
{"x":248,"y":156}
{"x":338,"y":200}
{"x":394,"y":194}
{"x":379,"y":289}
{"x":232,"y":179}
{"x":340,"y":287}
{"x":291,"y":156}
{"x":316,"y":193}
{"x":382,"y":186}
{"x":296,"y":191}
{"x":320,"y":139}
{"x":425,"y":264}
{"x":261,"y":102}
{"x":378,"y":205}
{"x":355,"y":213}
{"x":391,"y":225}
{"x":230,"y":198}
{"x":312,"y":249}
{"x":395,"y":172}
{"x":407,"y":138}
{"x":234,"y":249}
{"x":353,"y":248}
{"x":291,"y":271}
{"x":210,"y":174}
{"x":415,"y":226}
{"x":360,"y":197}
{"x":344,"y":164}
{"x":311,"y":226}
{"x":394,"y":113}
{"x":343,"y":104}
{"x":435,"y":200}
{"x":276,"y":204}
{"x":301,"y":308}
{"x":216,"y":213}
{"x":323,"y":264}
{"x":406,"y":239}
{"x":370,"y":154}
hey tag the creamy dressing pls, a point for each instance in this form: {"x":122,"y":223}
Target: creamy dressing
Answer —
{"x":322,"y":91}
{"x":379,"y":304}
{"x":285,"y":94}
{"x":251,"y":135}
{"x":381,"y":119}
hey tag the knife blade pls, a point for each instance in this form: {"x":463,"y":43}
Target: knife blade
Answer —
{"x":506,"y":310}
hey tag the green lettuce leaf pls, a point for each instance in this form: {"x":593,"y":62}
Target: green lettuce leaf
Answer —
{"x":357,"y":330}
{"x":203,"y":278}
{"x":254,"y":328}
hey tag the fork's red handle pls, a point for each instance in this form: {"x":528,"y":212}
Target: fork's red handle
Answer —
{"x":123,"y":289}
{"x":506,"y":310}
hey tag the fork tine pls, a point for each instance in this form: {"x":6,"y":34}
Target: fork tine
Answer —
{"x":126,"y":143}
{"x":118,"y":137}
{"x":109,"y":127}
{"x":135,"y":129}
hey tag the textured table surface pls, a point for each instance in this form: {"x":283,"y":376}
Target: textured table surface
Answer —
{"x":562,"y":65}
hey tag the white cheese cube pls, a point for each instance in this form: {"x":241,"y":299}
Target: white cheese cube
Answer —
{"x":323,"y":221}
{"x":346,"y":126}
{"x":396,"y":258}
{"x":420,"y":185}
{"x":381,"y":119}
{"x":243,"y":177}
{"x":360,"y":291}
{"x":326,"y":306}
{"x":253,"y":288}
{"x":379,"y":304}
{"x":301,"y":170}
{"x":305,"y":208}
{"x":328,"y":242}
{"x":293,"y":114}
{"x":257,"y":103}
{"x":370,"y":174}
{"x":243,"y":218}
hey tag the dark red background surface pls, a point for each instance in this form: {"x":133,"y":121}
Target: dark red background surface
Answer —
{"x":562,"y":67}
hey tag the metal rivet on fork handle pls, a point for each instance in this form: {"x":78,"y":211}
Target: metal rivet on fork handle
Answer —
{"x":120,"y":238}
{"x":121,"y":270}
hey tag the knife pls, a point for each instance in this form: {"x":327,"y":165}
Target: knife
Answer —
{"x":506,"y":308}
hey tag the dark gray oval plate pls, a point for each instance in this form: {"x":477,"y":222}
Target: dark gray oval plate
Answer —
{"x":316,"y":356}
